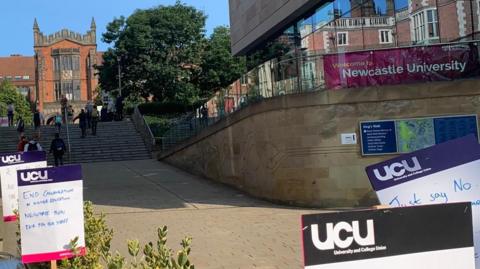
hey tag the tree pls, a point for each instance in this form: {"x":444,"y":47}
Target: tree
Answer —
{"x":159,"y":51}
{"x":9,"y":94}
{"x":219,"y":67}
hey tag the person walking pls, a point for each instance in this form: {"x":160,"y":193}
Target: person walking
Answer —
{"x":10,"y":112}
{"x":20,"y":126}
{"x":37,"y":120}
{"x":58,"y":122}
{"x":33,"y":144}
{"x":88,"y":110}
{"x":94,"y":120}
{"x":58,"y":148}
{"x":82,"y":118}
{"x":21,"y":144}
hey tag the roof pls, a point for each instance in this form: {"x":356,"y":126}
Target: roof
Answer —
{"x":19,"y":67}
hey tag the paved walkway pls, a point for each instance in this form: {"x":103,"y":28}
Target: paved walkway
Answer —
{"x":229,"y":229}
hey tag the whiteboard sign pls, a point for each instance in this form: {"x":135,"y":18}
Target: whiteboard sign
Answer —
{"x":445,"y":173}
{"x":51,"y":212}
{"x":349,"y":139}
{"x":9,"y":164}
{"x":418,"y":237}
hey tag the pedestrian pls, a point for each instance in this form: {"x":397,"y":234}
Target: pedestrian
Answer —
{"x":89,"y":109}
{"x":33,"y":144}
{"x":58,"y":148}
{"x":119,"y":108}
{"x":94,"y":120}
{"x":204,"y":112}
{"x":10,"y":112}
{"x":37,"y":119}
{"x":21,"y":144}
{"x":20,"y":126}
{"x":82,"y":119}
{"x":58,"y":122}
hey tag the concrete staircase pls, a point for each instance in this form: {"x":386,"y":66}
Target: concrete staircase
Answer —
{"x":115,"y":141}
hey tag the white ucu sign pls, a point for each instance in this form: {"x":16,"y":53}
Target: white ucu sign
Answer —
{"x":34,"y":175}
{"x":333,"y":235}
{"x":12,"y":159}
{"x":397,"y":169}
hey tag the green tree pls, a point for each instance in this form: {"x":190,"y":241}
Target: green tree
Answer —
{"x":159,"y":51}
{"x":9,"y":94}
{"x":219,"y":67}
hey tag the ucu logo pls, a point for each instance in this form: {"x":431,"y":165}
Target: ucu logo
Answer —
{"x":397,"y":169}
{"x":333,"y":235}
{"x":12,"y":159}
{"x":34,"y":175}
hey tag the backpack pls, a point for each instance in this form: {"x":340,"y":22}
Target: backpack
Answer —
{"x":58,"y":146}
{"x":32,"y":146}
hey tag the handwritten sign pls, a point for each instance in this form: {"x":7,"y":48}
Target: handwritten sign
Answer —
{"x":9,"y":164}
{"x":51,"y":212}
{"x":433,"y":236}
{"x":445,"y":173}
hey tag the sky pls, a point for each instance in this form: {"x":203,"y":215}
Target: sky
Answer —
{"x":16,"y":20}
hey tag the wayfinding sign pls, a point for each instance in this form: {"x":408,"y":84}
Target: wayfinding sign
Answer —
{"x":445,"y":173}
{"x":9,"y":164}
{"x":51,"y":213}
{"x":407,"y":135}
{"x":435,"y":236}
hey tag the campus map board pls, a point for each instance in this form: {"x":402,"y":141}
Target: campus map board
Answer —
{"x":434,"y":236}
{"x":444,"y":173}
{"x":9,"y":164}
{"x":51,"y":210}
{"x":407,"y":135}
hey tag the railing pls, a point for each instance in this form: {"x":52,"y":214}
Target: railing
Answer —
{"x":359,"y":22}
{"x":143,"y":128}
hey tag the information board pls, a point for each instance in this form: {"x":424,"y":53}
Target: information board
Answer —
{"x":51,"y":212}
{"x":445,"y":173}
{"x":407,"y":135}
{"x":435,"y":236}
{"x":9,"y":164}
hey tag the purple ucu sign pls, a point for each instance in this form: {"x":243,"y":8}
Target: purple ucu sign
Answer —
{"x":397,"y":169}
{"x":34,"y":175}
{"x":12,"y":159}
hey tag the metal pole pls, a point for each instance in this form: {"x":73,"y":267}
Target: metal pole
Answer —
{"x":119,"y":76}
{"x":68,"y":132}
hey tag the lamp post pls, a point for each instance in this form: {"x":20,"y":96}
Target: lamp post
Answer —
{"x":119,"y":76}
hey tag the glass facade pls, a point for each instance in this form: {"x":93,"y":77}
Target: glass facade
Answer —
{"x":66,"y":68}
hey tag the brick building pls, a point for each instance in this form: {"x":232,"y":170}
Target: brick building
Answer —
{"x":19,"y":70}
{"x":64,"y":66}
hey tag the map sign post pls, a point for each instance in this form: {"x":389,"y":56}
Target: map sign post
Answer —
{"x":9,"y":164}
{"x":445,"y":173}
{"x":51,"y":213}
{"x":434,"y":236}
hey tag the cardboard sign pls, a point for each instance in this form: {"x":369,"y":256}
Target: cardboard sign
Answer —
{"x":434,"y":236}
{"x":445,"y":173}
{"x":9,"y":164}
{"x":51,"y":212}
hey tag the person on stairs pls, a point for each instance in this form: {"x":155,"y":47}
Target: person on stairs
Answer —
{"x":94,"y":120}
{"x":21,"y":144}
{"x":82,"y":119}
{"x":20,"y":126}
{"x":33,"y":144}
{"x":10,"y":111}
{"x":58,"y":148}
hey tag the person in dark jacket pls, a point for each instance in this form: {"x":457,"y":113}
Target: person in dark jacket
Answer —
{"x":20,"y":126}
{"x":82,"y":119}
{"x":58,"y":148}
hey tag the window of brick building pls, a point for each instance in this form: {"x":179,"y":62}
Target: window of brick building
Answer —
{"x":385,"y":36}
{"x":425,"y":25}
{"x":342,"y":38}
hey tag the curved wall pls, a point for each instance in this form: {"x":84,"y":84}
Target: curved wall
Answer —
{"x":287,"y":149}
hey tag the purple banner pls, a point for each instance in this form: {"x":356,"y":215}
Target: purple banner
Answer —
{"x":423,"y":162}
{"x":49,"y":175}
{"x":12,"y":158}
{"x":401,"y":65}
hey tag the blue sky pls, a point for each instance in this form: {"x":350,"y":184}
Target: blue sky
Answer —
{"x":17,"y":17}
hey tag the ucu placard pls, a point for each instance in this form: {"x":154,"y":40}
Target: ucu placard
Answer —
{"x":12,"y":159}
{"x":343,"y":235}
{"x":34,"y":175}
{"x":397,"y":169}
